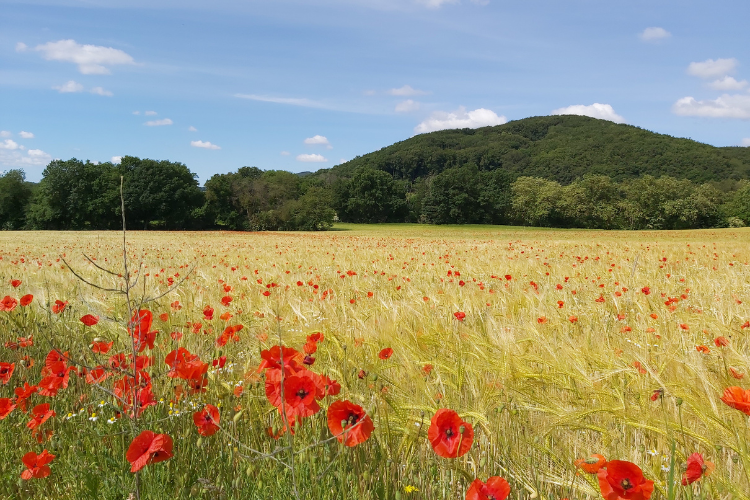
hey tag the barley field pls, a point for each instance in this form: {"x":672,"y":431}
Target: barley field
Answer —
{"x":549,"y":345}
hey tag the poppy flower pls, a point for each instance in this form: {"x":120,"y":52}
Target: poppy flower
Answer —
{"x":176,"y":306}
{"x":59,"y":306}
{"x":591,"y":464}
{"x":460,"y":315}
{"x":229,"y":332}
{"x":736,"y":373}
{"x":24,"y":393}
{"x":226,"y":316}
{"x":496,"y":488}
{"x":291,"y":359}
{"x":310,"y":347}
{"x":40,"y":414}
{"x":26,"y":300}
{"x":299,"y":396}
{"x":90,"y":320}
{"x":15,"y":283}
{"x":140,"y":324}
{"x":349,"y":421}
{"x":696,"y":468}
{"x":622,"y":480}
{"x":385,"y":353}
{"x":36,"y":465}
{"x":721,"y":341}
{"x":8,"y":304}
{"x":148,"y":448}
{"x":6,"y":406}
{"x":56,"y":376}
{"x":207,"y":420}
{"x":101,"y":347}
{"x":164,"y":316}
{"x":450,"y":436}
{"x":208,"y":313}
{"x":226,"y":300}
{"x":6,"y":370}
{"x":737,"y":398}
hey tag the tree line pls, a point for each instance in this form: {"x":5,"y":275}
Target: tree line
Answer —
{"x":165,"y":195}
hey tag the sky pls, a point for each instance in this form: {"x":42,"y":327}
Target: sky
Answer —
{"x":300,"y":85}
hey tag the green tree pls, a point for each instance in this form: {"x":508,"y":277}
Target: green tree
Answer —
{"x":15,"y":194}
{"x":372,"y":196}
{"x":536,"y":201}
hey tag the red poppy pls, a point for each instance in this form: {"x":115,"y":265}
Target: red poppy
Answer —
{"x":8,"y":304}
{"x":450,"y":436}
{"x":56,"y":376}
{"x":591,"y":464}
{"x":315,"y":337}
{"x":101,"y":347}
{"x":290,"y":357}
{"x":40,"y":414}
{"x":26,"y":300}
{"x":645,"y":290}
{"x":226,"y":300}
{"x":176,"y":306}
{"x":185,"y":365}
{"x":229,"y":332}
{"x":347,"y":420}
{"x":385,"y":353}
{"x":148,"y":448}
{"x":736,"y":373}
{"x":15,"y":283}
{"x":299,"y":396}
{"x":97,"y":375}
{"x":460,"y":315}
{"x":6,"y":406}
{"x":6,"y":370}
{"x":24,"y":393}
{"x":36,"y":465}
{"x":310,"y":347}
{"x":696,"y":468}
{"x":496,"y":488}
{"x":721,"y":341}
{"x":90,"y":320}
{"x":622,"y":480}
{"x":737,"y":398}
{"x":59,"y":306}
{"x":226,"y":316}
{"x":207,"y":420}
{"x":208,"y":313}
{"x":164,"y":316}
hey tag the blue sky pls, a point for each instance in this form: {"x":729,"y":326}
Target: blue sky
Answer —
{"x":302,"y":85}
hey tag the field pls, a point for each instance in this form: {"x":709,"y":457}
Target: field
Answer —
{"x":551,"y":345}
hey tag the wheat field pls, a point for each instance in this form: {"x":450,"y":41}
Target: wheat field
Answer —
{"x":571,"y":343}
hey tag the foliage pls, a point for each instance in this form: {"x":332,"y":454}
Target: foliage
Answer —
{"x":15,"y":194}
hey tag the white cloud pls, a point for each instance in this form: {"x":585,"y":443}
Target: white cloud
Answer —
{"x":435,"y":4}
{"x":116,"y":159}
{"x":95,"y":162}
{"x":294,"y":101}
{"x":70,"y":86}
{"x":654,"y":33}
{"x":312,"y":158}
{"x":407,"y":106}
{"x":9,"y":144}
{"x":136,"y":112}
{"x":204,"y":145}
{"x":318,"y":140}
{"x":5,"y":133}
{"x":101,"y":91}
{"x":158,"y":123}
{"x":596,"y":110}
{"x":26,"y":135}
{"x":746,"y":142}
{"x":369,"y":92}
{"x":712,"y":68}
{"x":192,"y":129}
{"x":285,"y":153}
{"x":460,"y":118}
{"x":728,"y":83}
{"x":150,"y":113}
{"x":91,"y":59}
{"x":21,"y":47}
{"x":726,"y":106}
{"x":342,"y":160}
{"x":406,"y":91}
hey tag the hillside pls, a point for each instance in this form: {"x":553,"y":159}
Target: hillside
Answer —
{"x":560,"y":148}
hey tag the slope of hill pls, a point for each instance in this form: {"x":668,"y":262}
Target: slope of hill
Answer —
{"x":561,"y":148}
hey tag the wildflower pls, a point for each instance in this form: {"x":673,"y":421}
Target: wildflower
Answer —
{"x":208,"y":313}
{"x":36,"y":465}
{"x":41,"y":413}
{"x":349,"y":423}
{"x":59,"y":306}
{"x":622,"y":480}
{"x":207,"y":420}
{"x":90,"y":320}
{"x":6,"y":371}
{"x":450,"y":436}
{"x":15,"y":283}
{"x":737,"y":398}
{"x":696,"y":468}
{"x":496,"y":488}
{"x":592,"y":465}
{"x":721,"y":341}
{"x":460,"y":315}
{"x":657,"y":394}
{"x":6,"y":407}
{"x":410,"y":489}
{"x":385,"y":353}
{"x":736,"y":373}
{"x":148,"y":448}
{"x":99,"y":347}
{"x":26,"y":300}
{"x":93,"y":417}
{"x":8,"y":304}
{"x":299,"y":396}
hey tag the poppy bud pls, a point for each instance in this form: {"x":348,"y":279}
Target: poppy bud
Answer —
{"x":362,"y":374}
{"x":678,"y":401}
{"x":462,"y":429}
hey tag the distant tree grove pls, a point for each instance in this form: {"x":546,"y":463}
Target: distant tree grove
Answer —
{"x":555,"y":171}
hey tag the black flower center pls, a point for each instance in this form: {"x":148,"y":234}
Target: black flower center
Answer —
{"x":302,"y":394}
{"x":626,"y":484}
{"x":353,"y":419}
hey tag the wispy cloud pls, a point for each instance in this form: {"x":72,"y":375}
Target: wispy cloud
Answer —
{"x":406,"y":91}
{"x":711,"y":68}
{"x":101,"y":91}
{"x":204,"y":145}
{"x":726,"y":106}
{"x":293,"y":101}
{"x":654,"y":34}
{"x":159,"y":123}
{"x":311,"y":158}
{"x":26,"y":135}
{"x":91,"y":59}
{"x":69,"y":87}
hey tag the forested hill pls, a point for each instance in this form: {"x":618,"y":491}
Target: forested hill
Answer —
{"x":560,"y":148}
